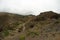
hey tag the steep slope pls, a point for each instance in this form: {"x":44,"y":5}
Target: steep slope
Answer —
{"x":45,"y":26}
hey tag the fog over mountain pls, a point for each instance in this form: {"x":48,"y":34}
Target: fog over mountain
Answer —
{"x":26,"y":7}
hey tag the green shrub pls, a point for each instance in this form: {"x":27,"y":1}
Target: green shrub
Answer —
{"x":22,"y":37}
{"x":6,"y":33}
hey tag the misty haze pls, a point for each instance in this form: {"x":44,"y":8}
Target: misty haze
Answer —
{"x":29,"y":19}
{"x":32,"y":6}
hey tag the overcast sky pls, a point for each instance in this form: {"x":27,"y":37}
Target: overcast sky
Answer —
{"x":29,"y":6}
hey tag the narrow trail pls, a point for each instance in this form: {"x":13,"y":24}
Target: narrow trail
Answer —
{"x":15,"y":33}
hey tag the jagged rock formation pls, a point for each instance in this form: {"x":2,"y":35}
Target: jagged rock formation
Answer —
{"x":45,"y":26}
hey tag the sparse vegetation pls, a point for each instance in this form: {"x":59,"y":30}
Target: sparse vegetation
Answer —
{"x":45,"y":26}
{"x":5,"y":33}
{"x":32,"y":33}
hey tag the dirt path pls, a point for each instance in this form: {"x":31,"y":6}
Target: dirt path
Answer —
{"x":15,"y":34}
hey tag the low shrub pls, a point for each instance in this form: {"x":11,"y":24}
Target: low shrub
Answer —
{"x":22,"y":37}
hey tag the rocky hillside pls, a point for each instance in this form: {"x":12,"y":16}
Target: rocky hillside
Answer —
{"x":45,"y":26}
